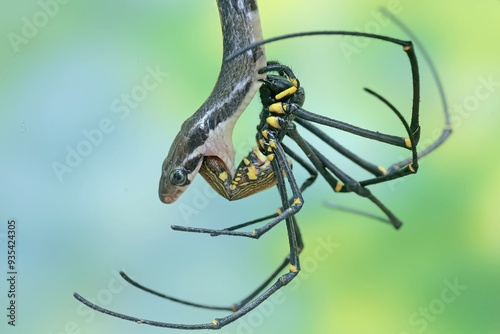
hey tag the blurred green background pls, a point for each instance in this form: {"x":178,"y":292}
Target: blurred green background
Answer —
{"x":78,"y":227}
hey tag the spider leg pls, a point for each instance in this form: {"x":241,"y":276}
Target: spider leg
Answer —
{"x":300,"y":112}
{"x":177,"y":300}
{"x":352,"y":185}
{"x":357,"y":212}
{"x":300,"y":247}
{"x":236,"y":306}
{"x":371,"y":168}
{"x":322,"y":164}
{"x":446,"y":132}
{"x":374,"y":169}
{"x":312,"y":172}
{"x":255,"y":221}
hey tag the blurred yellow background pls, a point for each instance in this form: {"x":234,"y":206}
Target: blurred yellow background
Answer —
{"x":81,"y":219}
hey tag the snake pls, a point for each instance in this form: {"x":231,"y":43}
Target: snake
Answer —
{"x":206,"y":136}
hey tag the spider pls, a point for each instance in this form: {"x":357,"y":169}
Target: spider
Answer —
{"x":203,"y":146}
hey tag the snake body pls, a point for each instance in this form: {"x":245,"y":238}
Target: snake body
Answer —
{"x":208,"y":132}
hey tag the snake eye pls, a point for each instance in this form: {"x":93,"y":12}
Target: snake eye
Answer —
{"x":178,"y":177}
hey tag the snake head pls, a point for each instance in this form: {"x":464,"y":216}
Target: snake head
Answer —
{"x":179,"y":168}
{"x":173,"y":182}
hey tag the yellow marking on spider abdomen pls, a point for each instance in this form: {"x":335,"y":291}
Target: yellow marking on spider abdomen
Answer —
{"x":258,"y":153}
{"x":223,"y":176}
{"x":252,"y":173}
